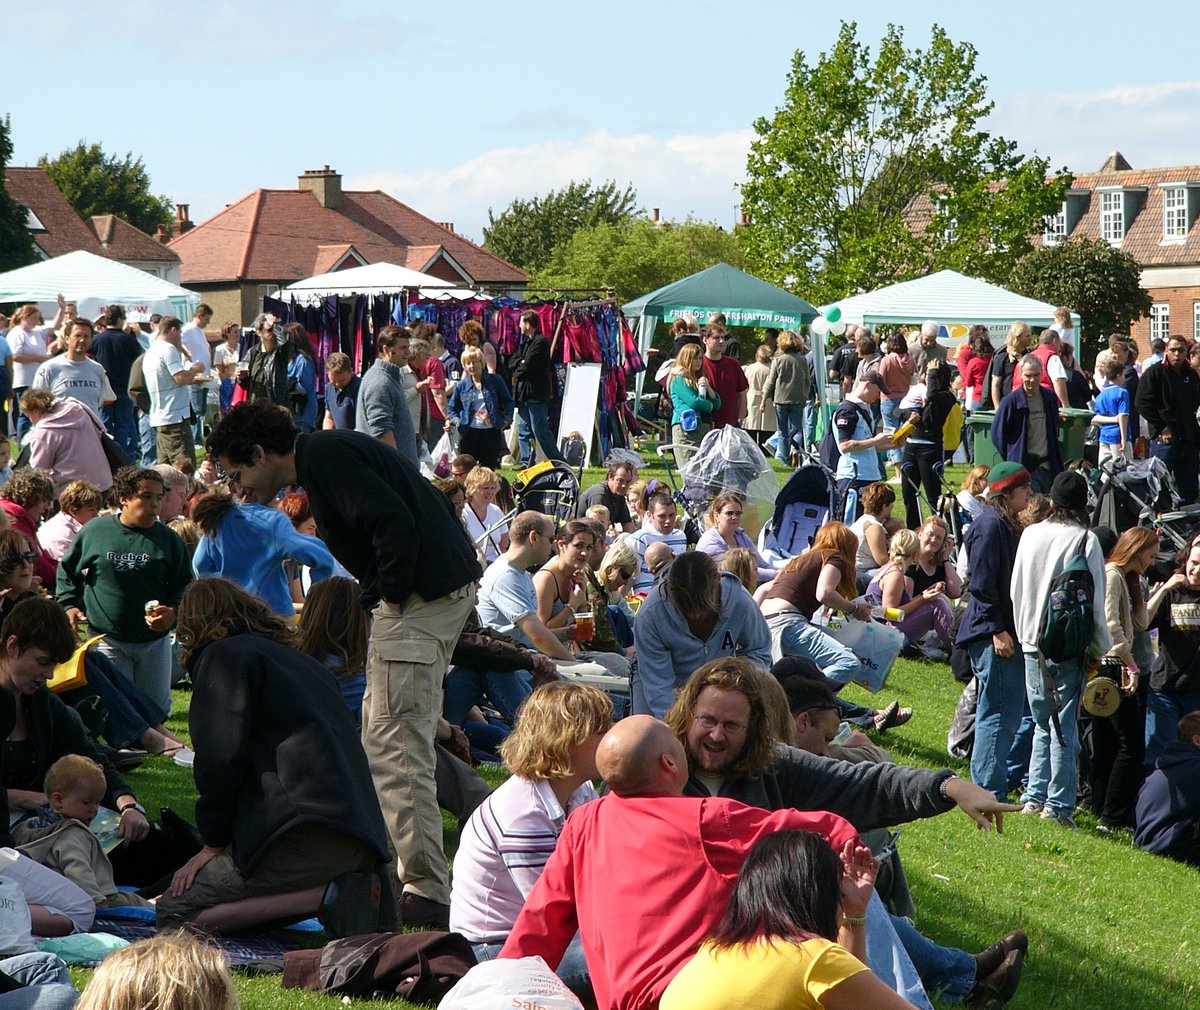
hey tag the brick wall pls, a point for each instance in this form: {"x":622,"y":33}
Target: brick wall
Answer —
{"x":1181,"y":302}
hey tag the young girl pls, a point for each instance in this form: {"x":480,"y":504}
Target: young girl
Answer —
{"x":334,"y":630}
{"x":225,"y":361}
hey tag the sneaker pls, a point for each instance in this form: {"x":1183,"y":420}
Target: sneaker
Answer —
{"x":1049,"y":814}
{"x":358,"y":902}
{"x":424,"y":912}
{"x":1031,"y":807}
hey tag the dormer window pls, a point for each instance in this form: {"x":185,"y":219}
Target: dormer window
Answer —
{"x":1175,"y":213}
{"x":33,"y":222}
{"x":1056,"y":227}
{"x":1112,"y":217}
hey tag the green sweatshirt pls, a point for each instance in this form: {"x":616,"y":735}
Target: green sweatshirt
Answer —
{"x":684,"y":397}
{"x":111,"y":571}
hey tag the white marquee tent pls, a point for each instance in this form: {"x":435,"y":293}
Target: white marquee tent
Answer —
{"x":370,"y":279}
{"x":953,"y":300}
{"x":93,"y":283}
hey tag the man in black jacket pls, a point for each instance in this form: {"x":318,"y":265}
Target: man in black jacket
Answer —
{"x":399,"y":537}
{"x":531,"y":390}
{"x":1168,"y":397}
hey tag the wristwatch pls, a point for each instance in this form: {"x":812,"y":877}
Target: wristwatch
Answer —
{"x":135,"y":805}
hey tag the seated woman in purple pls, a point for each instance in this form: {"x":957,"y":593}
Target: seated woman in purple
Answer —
{"x":725,"y":532}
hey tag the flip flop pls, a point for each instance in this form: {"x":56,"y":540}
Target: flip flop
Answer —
{"x":891,"y":716}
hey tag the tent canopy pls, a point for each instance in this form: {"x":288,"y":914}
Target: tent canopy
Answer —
{"x":93,"y":283}
{"x":369,"y":279}
{"x":743,"y":298}
{"x":953,"y":300}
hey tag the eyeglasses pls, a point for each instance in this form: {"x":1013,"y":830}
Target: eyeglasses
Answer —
{"x":708,"y":724}
{"x":29,"y":556}
{"x":625,"y":574}
{"x":732,"y":515}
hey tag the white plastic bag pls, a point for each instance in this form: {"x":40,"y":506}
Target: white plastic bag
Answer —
{"x":15,"y":926}
{"x":876,"y":647}
{"x":525,"y":982}
{"x":444,"y":450}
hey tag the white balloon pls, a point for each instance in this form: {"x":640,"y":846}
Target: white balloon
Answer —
{"x":838,"y":328}
{"x":819,"y":326}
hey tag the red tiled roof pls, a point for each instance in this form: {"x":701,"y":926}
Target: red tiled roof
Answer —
{"x":328,"y":256}
{"x":119,"y":240}
{"x":273,"y":235}
{"x":65,"y":230}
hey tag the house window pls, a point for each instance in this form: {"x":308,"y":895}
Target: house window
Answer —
{"x":1056,"y":227}
{"x":1160,"y":320}
{"x":1174,"y":213}
{"x":1112,"y":217}
{"x":1196,"y":320}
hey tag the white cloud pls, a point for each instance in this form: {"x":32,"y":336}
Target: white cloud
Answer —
{"x":681,"y":175}
{"x":1153,"y":125}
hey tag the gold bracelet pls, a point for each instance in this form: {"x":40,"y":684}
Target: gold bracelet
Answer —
{"x":854,"y":920}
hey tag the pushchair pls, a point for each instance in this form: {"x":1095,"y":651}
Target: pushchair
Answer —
{"x":805,"y":503}
{"x":549,"y":487}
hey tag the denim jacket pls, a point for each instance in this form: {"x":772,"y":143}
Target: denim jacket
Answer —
{"x":464,"y":399}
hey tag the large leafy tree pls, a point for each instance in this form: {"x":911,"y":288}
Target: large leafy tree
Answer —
{"x":1101,"y":283}
{"x":875,"y":169}
{"x":97,"y":183}
{"x":527,"y":232}
{"x":16,"y":244}
{"x":638,"y":256}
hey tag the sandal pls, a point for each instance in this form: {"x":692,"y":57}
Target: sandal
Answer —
{"x":891,"y":716}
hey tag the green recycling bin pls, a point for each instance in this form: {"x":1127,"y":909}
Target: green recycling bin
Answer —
{"x":1073,"y":424}
{"x":986,"y":454}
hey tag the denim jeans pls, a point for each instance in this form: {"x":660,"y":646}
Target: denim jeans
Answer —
{"x":465,"y":686}
{"x":21,"y":423}
{"x":46,"y":981}
{"x":1053,"y":772}
{"x":810,"y":424}
{"x":946,"y":971}
{"x":199,"y":399}
{"x":572,"y":969}
{"x":789,"y":419}
{"x":792,"y":635}
{"x":888,"y":956}
{"x":1001,"y":700}
{"x":147,"y":664}
{"x":147,"y":442}
{"x":1164,"y":709}
{"x":889,"y":408}
{"x":533,"y":421}
{"x":119,"y":418}
{"x":1018,"y":755}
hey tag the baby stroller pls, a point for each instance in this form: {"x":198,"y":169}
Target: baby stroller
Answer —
{"x":549,"y":487}
{"x":805,"y":503}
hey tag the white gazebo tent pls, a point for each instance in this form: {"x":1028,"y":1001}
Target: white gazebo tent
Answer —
{"x":954,"y":301}
{"x":370,"y":279}
{"x":93,"y":283}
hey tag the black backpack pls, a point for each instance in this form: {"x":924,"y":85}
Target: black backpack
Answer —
{"x":1068,"y":620}
{"x":828,"y":449}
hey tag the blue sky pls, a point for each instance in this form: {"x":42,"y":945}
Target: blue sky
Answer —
{"x":461,"y":106}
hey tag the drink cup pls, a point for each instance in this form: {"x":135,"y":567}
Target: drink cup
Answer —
{"x":585,"y":626}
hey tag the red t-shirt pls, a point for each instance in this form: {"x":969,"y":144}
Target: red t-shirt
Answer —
{"x":435,"y":371}
{"x":725,"y":376}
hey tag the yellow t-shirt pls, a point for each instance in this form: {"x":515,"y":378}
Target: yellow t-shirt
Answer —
{"x":762,"y":976}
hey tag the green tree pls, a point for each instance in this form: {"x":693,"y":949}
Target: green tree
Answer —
{"x":97,"y":183}
{"x":638,"y":256}
{"x":875,"y":169}
{"x":1101,"y":283}
{"x":16,"y":244}
{"x":527,"y":232}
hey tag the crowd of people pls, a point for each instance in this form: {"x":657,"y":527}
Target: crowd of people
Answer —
{"x":358,"y":635}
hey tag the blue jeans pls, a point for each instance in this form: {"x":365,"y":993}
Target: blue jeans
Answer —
{"x":889,"y":408}
{"x":120,"y":419}
{"x":810,"y":424}
{"x":465,"y":686}
{"x":789,"y":419}
{"x":572,"y":969}
{"x":1053,"y":769}
{"x":888,"y":956}
{"x":1164,"y":709}
{"x":199,"y":399}
{"x":947,"y":971}
{"x":1022,"y":745}
{"x":21,"y":423}
{"x":1001,"y":686}
{"x":533,"y":421}
{"x":792,"y":635}
{"x":47,"y":983}
{"x":147,"y":441}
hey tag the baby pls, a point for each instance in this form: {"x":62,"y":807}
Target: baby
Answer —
{"x":58,"y":836}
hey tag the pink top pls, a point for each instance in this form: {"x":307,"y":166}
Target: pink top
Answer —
{"x":897,"y":371}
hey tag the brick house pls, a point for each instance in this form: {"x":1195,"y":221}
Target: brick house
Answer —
{"x":273,"y":237}
{"x":57,"y":228}
{"x":1150,"y":214}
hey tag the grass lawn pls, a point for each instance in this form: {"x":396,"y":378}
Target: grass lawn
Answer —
{"x":1106,"y":923}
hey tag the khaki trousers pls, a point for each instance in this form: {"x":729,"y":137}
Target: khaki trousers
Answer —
{"x":407,"y":660}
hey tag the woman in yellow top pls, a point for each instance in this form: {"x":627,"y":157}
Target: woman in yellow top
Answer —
{"x":793,"y":935}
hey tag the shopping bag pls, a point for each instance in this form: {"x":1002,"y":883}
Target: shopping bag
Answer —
{"x":525,"y":982}
{"x":874,"y":645}
{"x":444,"y":450}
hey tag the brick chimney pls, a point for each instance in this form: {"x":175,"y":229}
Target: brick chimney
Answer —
{"x":182,"y":221}
{"x":325,"y":184}
{"x":448,"y":225}
{"x":161,"y":235}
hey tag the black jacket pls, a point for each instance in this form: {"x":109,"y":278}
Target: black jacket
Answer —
{"x":531,"y":369}
{"x":394,"y":531}
{"x":268,"y":383}
{"x":276,"y":749}
{"x":1166,"y":398}
{"x":54,"y":730}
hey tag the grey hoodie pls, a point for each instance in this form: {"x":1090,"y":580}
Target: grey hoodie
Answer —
{"x":668,"y":653}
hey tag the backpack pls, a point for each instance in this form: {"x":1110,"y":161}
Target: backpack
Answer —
{"x":828,"y":449}
{"x":138,"y":392}
{"x":1067,"y":622}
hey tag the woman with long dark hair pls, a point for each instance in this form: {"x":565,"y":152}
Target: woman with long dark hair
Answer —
{"x":302,"y":378}
{"x":924,"y":451}
{"x":793,"y":935}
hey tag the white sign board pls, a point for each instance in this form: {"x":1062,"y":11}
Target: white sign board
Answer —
{"x":580,"y":406}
